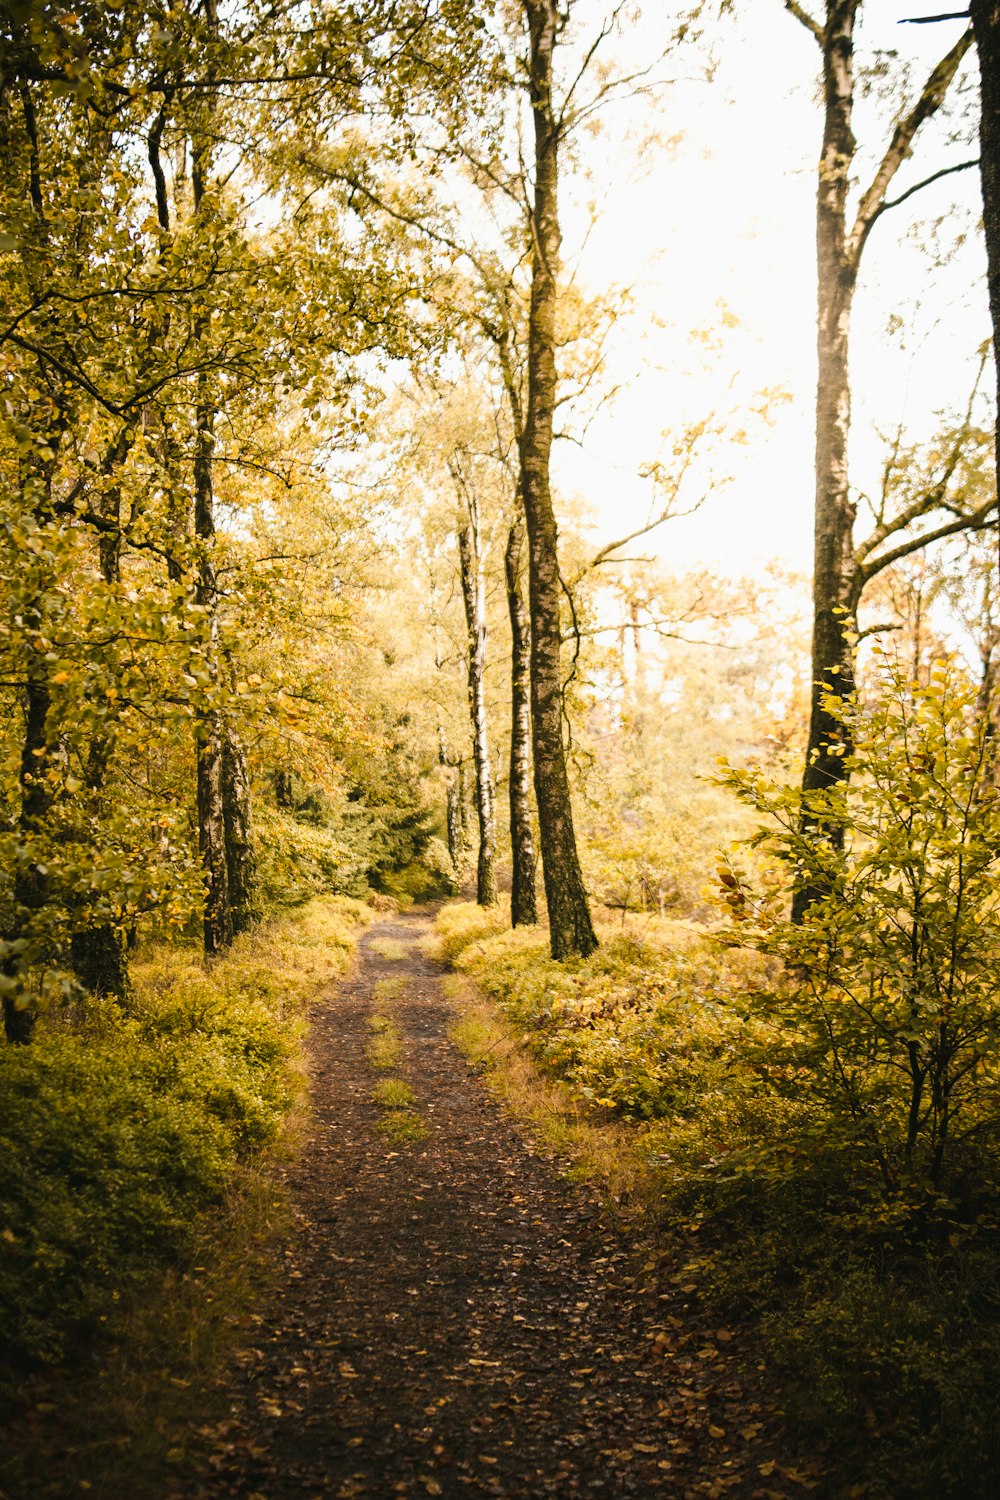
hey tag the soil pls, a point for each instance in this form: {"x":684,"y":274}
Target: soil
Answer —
{"x":453,"y":1317}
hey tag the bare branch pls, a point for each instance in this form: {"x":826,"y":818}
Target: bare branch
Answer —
{"x":930,"y":100}
{"x":666,"y":514}
{"x":962,"y":166}
{"x":931,"y":499}
{"x":801,"y":14}
{"x":976,"y":520}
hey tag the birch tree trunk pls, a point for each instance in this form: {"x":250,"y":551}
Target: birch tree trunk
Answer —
{"x":570,"y":928}
{"x":209,"y":737}
{"x":474,"y":597}
{"x":833,"y":535}
{"x":986,"y":29}
{"x":523,"y":901}
{"x":837,"y":578}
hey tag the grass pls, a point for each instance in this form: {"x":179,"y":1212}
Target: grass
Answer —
{"x":384,"y":1052}
{"x":401,"y":1124}
{"x":402,"y":1128}
{"x":598,"y":1151}
{"x":386,"y":991}
{"x":394,"y":1093}
{"x":389,"y":948}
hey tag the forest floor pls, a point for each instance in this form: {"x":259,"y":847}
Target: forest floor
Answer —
{"x":451,"y":1315}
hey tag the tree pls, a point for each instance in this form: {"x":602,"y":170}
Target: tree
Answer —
{"x":840,"y":246}
{"x":886,"y":1005}
{"x":570,"y":927}
{"x":523,"y":903}
{"x":986,"y":29}
{"x":473,"y":548}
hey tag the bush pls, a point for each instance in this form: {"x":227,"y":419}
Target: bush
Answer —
{"x":637,"y":1027}
{"x":428,"y":878}
{"x":300,"y":859}
{"x":117,"y":1130}
{"x":462,"y":923}
{"x":889,"y":1023}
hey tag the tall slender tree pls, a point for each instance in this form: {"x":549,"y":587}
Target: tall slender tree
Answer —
{"x":473,"y":574}
{"x":840,"y":245}
{"x":571,"y":929}
{"x":986,"y":29}
{"x":523,"y":900}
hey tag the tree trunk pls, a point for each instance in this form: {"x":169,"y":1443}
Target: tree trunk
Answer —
{"x":837,"y":578}
{"x":834,"y":568}
{"x":210,"y":733}
{"x":570,"y":928}
{"x":99,"y":954}
{"x":523,"y":902}
{"x":31,"y":884}
{"x":241,"y":853}
{"x":463,"y":805}
{"x":473,"y":595}
{"x":834,"y":565}
{"x":453,"y":815}
{"x":986,"y":30}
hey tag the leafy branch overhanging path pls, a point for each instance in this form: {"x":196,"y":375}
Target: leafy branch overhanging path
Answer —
{"x":452,"y":1317}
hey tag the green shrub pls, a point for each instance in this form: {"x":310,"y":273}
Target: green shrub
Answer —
{"x":117,"y":1130}
{"x":300,"y":859}
{"x":637,"y":1028}
{"x":886,"y":1012}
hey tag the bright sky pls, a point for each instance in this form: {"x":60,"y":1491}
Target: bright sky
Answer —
{"x":726,"y":218}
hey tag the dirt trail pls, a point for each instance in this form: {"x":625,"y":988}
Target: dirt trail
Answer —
{"x":453,"y":1318}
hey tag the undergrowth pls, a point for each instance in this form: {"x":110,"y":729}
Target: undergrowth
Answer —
{"x":118,"y":1130}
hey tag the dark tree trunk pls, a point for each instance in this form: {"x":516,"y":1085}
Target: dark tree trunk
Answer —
{"x":31,"y":885}
{"x":523,"y":901}
{"x":462,"y":791}
{"x":453,"y":814}
{"x":241,"y":853}
{"x":283,"y":790}
{"x":986,"y":29}
{"x":570,"y":928}
{"x":211,"y":731}
{"x":99,"y":954}
{"x":473,"y":595}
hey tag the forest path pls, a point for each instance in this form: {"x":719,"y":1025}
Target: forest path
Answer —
{"x":452,"y":1317}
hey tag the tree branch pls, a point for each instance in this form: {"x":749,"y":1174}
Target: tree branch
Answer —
{"x":930,"y":100}
{"x":977,"y":520}
{"x":962,"y":166}
{"x":932,"y":499}
{"x":801,"y":14}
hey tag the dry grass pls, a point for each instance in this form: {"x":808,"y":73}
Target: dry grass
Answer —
{"x":612,"y":1157}
{"x":384,"y":1052}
